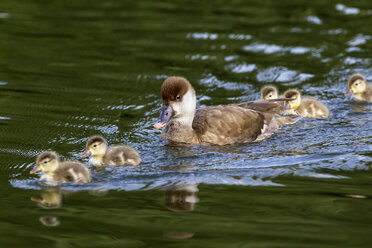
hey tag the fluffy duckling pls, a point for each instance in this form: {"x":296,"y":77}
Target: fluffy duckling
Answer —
{"x":357,"y":85}
{"x":117,"y":155}
{"x":54,"y":171}
{"x":220,"y":125}
{"x":269,"y":92}
{"x":305,"y":107}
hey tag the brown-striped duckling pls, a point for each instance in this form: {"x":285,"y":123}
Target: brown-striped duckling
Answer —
{"x":55,"y":171}
{"x":269,"y":92}
{"x":119,"y":155}
{"x":357,"y":85}
{"x":305,"y":107}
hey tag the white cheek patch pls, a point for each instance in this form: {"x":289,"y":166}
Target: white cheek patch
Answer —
{"x":185,"y":109}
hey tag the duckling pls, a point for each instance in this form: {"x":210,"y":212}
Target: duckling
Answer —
{"x":357,"y":85}
{"x":305,"y":107}
{"x":54,"y":171}
{"x":117,"y":155}
{"x":269,"y":92}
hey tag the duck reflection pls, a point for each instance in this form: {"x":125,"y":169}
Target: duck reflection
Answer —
{"x":181,"y":198}
{"x":49,"y":221}
{"x":50,"y":199}
{"x":360,"y":107}
{"x":178,"y":235}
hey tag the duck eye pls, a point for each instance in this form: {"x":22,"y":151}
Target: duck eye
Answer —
{"x":356,"y":84}
{"x":178,"y":97}
{"x":95,"y":145}
{"x":45,"y":162}
{"x":270,"y":95}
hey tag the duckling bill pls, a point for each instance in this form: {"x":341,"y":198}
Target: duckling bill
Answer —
{"x":120,"y":155}
{"x":220,"y":125}
{"x":55,"y":171}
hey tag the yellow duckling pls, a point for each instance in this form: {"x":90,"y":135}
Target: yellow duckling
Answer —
{"x":357,"y":85}
{"x":54,"y":171}
{"x":117,"y":155}
{"x":305,"y":107}
{"x":269,"y":92}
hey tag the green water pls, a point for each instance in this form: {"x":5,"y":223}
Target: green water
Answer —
{"x":71,"y":69}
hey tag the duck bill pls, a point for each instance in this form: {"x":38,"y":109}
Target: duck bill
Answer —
{"x":36,"y":198}
{"x":286,"y":106}
{"x":350,"y":91}
{"x":86,"y":154}
{"x":166,"y":114}
{"x":36,"y":169}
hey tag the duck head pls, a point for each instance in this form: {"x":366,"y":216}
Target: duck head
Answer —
{"x":46,"y":162}
{"x":96,"y":146}
{"x":294,"y":104}
{"x":269,"y":92}
{"x":357,"y":84}
{"x":178,"y":102}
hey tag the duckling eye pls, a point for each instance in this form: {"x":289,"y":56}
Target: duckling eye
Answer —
{"x":356,"y":84}
{"x":270,"y":95}
{"x":178,"y":97}
{"x":95,"y":145}
{"x":45,"y":162}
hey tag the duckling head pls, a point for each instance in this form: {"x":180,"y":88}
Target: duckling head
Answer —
{"x":96,"y":146}
{"x":294,"y":104}
{"x":46,"y":162}
{"x":357,"y":84}
{"x":269,"y":92}
{"x":178,"y":102}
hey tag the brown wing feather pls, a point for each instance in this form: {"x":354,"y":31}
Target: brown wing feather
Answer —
{"x":262,"y":105}
{"x":71,"y":171}
{"x":122,"y":155}
{"x":368,"y":93}
{"x":227,"y":124}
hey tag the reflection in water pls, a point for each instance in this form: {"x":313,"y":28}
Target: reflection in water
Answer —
{"x":181,"y":198}
{"x":50,"y":199}
{"x":360,"y":107}
{"x":49,"y":220}
{"x":178,"y":235}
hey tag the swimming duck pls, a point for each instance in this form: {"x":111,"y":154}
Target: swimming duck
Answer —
{"x":54,"y":171}
{"x":117,"y":155}
{"x":305,"y":107}
{"x":357,"y":85}
{"x":220,"y":125}
{"x":269,"y":92}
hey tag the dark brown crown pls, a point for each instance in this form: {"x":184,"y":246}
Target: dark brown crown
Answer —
{"x":94,"y":139}
{"x":355,"y":77}
{"x":267,"y":89}
{"x":49,"y":154}
{"x":292,"y":94}
{"x":174,"y":87}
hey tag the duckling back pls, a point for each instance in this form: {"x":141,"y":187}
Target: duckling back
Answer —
{"x":71,"y":171}
{"x":312,"y":108}
{"x":122,"y":155}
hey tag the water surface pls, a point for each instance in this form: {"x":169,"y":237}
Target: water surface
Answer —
{"x":71,"y":69}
